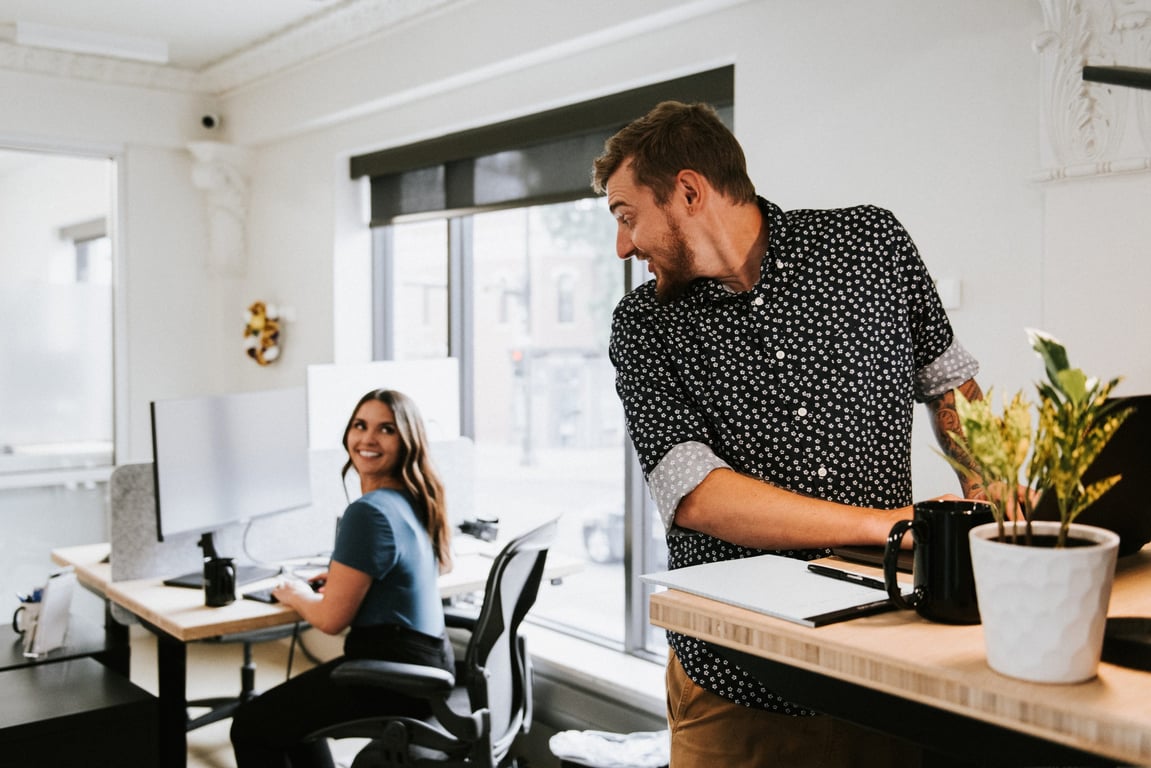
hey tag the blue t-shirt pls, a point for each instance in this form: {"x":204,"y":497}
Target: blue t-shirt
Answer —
{"x":381,"y":536}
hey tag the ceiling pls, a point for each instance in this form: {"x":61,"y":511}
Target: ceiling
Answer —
{"x":211,"y":44}
{"x":198,"y":33}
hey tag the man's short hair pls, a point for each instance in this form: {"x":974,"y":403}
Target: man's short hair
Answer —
{"x":673,"y":137}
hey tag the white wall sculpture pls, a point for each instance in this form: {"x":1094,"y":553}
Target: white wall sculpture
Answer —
{"x":1093,"y":128}
{"x":221,"y":172}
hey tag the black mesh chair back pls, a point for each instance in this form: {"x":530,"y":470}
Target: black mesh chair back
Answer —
{"x":496,"y":669}
{"x":477,"y":715}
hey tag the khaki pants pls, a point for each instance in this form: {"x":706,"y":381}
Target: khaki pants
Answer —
{"x":708,"y":731}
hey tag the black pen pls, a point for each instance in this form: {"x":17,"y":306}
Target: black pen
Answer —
{"x":854,"y":612}
{"x":855,"y":578}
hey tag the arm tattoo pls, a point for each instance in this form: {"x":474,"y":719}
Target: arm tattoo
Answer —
{"x":945,"y":420}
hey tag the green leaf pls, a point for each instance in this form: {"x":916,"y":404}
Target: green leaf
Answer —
{"x":1053,"y":353}
{"x":1072,"y":382}
{"x":1075,"y":420}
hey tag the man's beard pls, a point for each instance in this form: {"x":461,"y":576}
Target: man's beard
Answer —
{"x":675,"y":278}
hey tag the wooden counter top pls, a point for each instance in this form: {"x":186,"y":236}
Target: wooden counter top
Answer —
{"x":945,"y":666}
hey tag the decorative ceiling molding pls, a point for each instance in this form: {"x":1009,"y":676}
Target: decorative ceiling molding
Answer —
{"x":85,"y":66}
{"x":344,"y":24}
{"x":1092,"y":129}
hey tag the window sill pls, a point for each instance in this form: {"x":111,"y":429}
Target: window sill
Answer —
{"x":605,"y":673}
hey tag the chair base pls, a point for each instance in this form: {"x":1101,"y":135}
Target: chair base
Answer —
{"x":221,"y":708}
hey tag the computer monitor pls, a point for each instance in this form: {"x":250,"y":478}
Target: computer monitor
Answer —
{"x":224,"y":459}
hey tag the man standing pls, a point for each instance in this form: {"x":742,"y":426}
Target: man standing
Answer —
{"x":768,"y":376}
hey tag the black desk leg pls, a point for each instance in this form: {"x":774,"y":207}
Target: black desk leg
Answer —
{"x":171,"y":668}
{"x":117,"y":655}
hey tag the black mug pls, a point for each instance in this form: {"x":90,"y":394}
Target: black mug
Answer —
{"x":944,"y":581}
{"x":219,"y":581}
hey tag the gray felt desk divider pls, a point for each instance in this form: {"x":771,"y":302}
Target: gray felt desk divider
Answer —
{"x":136,"y":552}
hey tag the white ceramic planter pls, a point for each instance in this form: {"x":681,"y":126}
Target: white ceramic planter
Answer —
{"x":1044,"y":609}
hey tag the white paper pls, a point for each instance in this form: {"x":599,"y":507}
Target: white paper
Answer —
{"x":52,"y":623}
{"x":777,"y":586}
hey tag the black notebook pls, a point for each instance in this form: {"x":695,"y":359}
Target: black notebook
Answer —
{"x":245,"y":574}
{"x":874,"y":556}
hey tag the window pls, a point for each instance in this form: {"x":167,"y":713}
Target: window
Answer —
{"x":414,"y":317}
{"x":56,"y":396}
{"x":491,"y":249}
{"x":548,"y":429}
{"x":547,"y":425}
{"x":565,"y":297}
{"x":56,"y":301}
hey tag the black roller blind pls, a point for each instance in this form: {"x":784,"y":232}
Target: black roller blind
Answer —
{"x":540,"y":158}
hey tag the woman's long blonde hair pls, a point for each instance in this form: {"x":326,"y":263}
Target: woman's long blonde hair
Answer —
{"x":417,"y":473}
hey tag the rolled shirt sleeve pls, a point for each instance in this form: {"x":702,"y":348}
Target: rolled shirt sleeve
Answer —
{"x":677,"y":474}
{"x":945,"y":372}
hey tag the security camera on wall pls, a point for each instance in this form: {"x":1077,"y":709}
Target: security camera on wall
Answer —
{"x":210,"y":121}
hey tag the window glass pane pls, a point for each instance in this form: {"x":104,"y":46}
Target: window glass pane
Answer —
{"x":94,"y":261}
{"x":56,"y":399}
{"x":549,"y":429}
{"x":56,"y":309}
{"x":419,"y":290}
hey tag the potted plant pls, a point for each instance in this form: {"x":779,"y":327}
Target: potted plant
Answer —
{"x":1043,"y":586}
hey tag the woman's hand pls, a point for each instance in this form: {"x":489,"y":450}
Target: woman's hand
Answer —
{"x":294,"y":592}
{"x":331,"y":609}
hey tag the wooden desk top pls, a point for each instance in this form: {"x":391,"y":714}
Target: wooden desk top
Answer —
{"x":90,"y":562}
{"x":945,"y":666}
{"x":181,"y":613}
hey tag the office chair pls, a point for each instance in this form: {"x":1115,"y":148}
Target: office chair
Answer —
{"x":222,"y":707}
{"x":478,"y":713}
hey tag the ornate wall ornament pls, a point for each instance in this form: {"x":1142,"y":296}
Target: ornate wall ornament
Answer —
{"x":221,"y":171}
{"x":1093,"y":128}
{"x":262,"y":333}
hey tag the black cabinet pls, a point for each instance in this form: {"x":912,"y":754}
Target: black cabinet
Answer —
{"x":75,"y":712}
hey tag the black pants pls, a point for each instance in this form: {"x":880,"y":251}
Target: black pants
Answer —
{"x":270,"y":730}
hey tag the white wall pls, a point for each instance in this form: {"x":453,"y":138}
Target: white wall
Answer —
{"x":928,"y":108}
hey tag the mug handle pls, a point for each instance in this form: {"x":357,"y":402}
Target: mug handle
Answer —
{"x":891,"y":566}
{"x":16,"y":620}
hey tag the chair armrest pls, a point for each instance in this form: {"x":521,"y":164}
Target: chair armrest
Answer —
{"x":455,"y":619}
{"x":410,"y":679}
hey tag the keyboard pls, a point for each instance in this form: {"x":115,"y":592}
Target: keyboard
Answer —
{"x":266,"y":596}
{"x":245,"y":574}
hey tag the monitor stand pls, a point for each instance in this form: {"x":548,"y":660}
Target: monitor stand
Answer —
{"x":245,"y":574}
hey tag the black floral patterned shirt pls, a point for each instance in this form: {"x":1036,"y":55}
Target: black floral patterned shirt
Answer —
{"x":807,"y":381}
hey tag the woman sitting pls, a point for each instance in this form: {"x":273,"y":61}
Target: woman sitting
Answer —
{"x":391,"y":544}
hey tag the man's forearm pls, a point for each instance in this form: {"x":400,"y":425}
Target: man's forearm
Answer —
{"x":945,"y":422}
{"x":749,"y":512}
